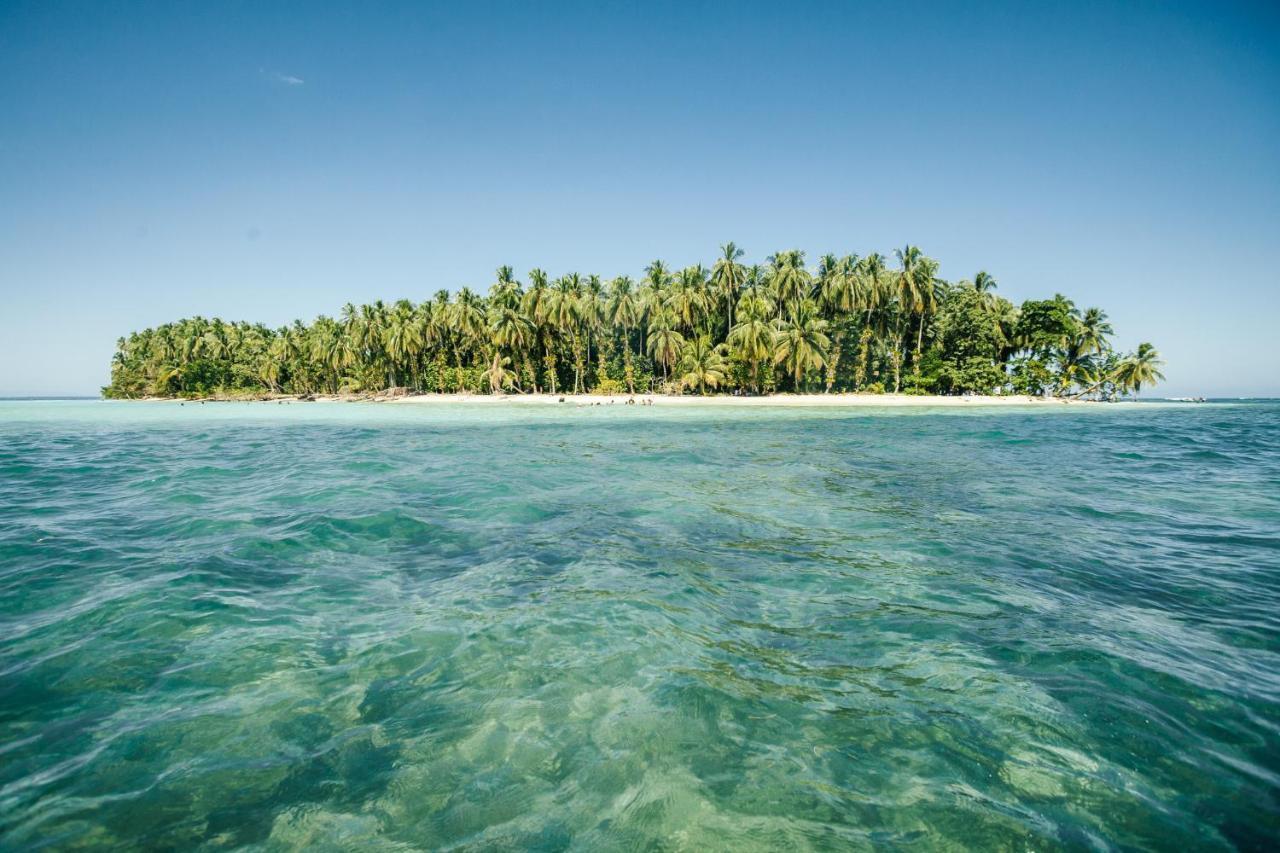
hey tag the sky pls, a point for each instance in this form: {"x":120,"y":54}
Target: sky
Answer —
{"x":267,"y":161}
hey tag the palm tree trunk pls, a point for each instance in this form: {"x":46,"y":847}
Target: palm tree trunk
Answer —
{"x":919,"y":342}
{"x":897,"y":358}
{"x":864,"y":358}
{"x":834,"y":363}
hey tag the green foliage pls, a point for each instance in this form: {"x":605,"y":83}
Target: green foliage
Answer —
{"x":972,"y":375}
{"x":1031,"y":376}
{"x":609,"y":386}
{"x":1045,"y":326}
{"x":853,"y":324}
{"x":967,"y":326}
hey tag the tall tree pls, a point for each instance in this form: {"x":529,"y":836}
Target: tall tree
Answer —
{"x":702,"y":364}
{"x":728,"y":277}
{"x":801,"y":343}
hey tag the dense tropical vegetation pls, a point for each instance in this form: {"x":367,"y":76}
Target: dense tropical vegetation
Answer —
{"x":851,"y":324}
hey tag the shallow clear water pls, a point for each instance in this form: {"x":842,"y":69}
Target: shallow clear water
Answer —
{"x":403,"y":627}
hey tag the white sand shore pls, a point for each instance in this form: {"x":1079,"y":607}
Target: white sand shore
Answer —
{"x":837,"y":400}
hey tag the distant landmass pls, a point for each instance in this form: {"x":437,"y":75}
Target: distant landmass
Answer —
{"x":853,"y":324}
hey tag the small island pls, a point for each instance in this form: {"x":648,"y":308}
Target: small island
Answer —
{"x":852,"y":329}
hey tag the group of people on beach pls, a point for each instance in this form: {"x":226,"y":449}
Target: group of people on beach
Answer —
{"x":631,"y":401}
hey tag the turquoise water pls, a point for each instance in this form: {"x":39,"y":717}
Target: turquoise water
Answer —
{"x":372,"y":627}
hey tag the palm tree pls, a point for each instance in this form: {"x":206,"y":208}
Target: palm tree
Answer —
{"x":505,"y":292}
{"x":687,"y":298}
{"x":537,"y":309}
{"x":801,"y":343}
{"x":562,"y":316}
{"x":777,"y":314}
{"x":511,"y":329}
{"x":984,"y":282}
{"x":623,"y":312}
{"x":500,"y":378}
{"x":994,"y":305}
{"x":332,"y":349}
{"x":702,"y":364}
{"x":591,"y":308}
{"x":468,"y":321}
{"x":664,"y":341}
{"x":837,"y":293}
{"x":756,"y":282}
{"x":752,"y":339}
{"x":657,"y":278}
{"x":870,"y":295}
{"x":930,"y":292}
{"x":1087,"y":340}
{"x":788,"y":279}
{"x":402,"y":338}
{"x":838,"y":284}
{"x":917,"y":295}
{"x":728,"y":277}
{"x":1138,"y":369}
{"x":1094,"y":331}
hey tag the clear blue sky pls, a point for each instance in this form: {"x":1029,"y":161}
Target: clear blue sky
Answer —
{"x":266,"y":161}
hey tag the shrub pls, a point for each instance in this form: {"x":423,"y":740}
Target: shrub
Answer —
{"x":609,"y":386}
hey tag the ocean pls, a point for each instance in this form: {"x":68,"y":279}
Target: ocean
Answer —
{"x":396,"y":627}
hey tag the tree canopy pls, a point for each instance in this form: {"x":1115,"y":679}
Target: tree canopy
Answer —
{"x":852,"y":324}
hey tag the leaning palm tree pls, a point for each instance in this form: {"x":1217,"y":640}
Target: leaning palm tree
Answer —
{"x":500,"y":378}
{"x":1138,"y":369}
{"x":702,"y":364}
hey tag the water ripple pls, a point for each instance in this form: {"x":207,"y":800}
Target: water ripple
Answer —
{"x":467,"y":628}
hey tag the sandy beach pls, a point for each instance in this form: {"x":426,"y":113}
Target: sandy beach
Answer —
{"x":814,"y":400}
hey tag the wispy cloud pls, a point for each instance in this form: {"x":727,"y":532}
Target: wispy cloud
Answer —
{"x":281,"y":78}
